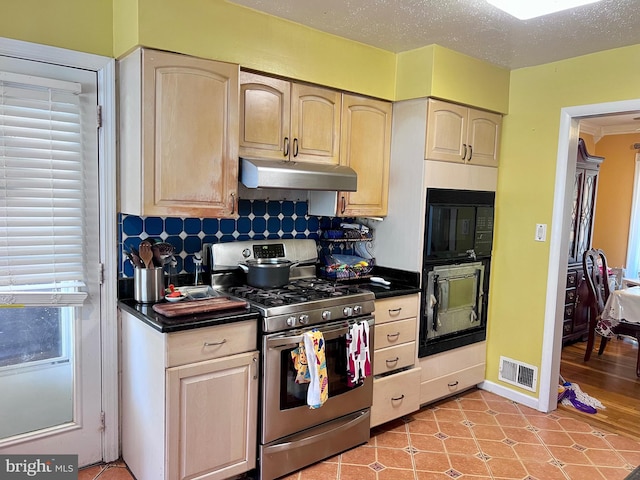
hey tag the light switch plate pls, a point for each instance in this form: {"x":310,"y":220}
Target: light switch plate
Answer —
{"x":541,"y":232}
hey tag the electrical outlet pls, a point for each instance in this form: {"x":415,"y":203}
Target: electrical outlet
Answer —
{"x":541,"y":232}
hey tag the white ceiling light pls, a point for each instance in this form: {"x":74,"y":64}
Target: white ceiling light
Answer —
{"x":526,"y":9}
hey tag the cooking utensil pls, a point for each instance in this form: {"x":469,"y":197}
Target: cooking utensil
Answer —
{"x":268,"y":272}
{"x":162,"y":253}
{"x":146,"y":253}
{"x":134,"y":257}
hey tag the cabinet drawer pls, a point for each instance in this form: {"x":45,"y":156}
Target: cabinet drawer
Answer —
{"x":572,"y":279}
{"x":395,"y":395}
{"x":435,"y":366}
{"x":450,"y":384}
{"x":393,"y":358}
{"x":567,"y":327}
{"x":211,"y":342}
{"x":395,"y":333}
{"x":396,"y":308}
{"x":570,"y":296}
{"x":569,"y":311}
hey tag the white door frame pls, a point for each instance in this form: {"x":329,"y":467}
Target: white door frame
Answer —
{"x":105,"y":71}
{"x":559,"y":242}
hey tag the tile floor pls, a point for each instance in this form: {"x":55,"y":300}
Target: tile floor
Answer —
{"x":475,"y":436}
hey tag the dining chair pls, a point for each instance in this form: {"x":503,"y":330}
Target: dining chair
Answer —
{"x":594,"y":264}
{"x":595,"y":271}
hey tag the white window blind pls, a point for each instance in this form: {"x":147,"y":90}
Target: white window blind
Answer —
{"x":41,"y":191}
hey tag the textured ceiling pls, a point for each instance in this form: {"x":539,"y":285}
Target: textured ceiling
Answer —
{"x":472,"y":27}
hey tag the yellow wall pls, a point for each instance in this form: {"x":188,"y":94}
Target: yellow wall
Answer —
{"x":220,"y":30}
{"x":80,"y":25}
{"x":615,"y":192}
{"x":223,"y":31}
{"x":439,"y":72}
{"x":526,"y":189}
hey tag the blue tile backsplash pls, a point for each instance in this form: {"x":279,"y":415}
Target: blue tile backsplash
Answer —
{"x":258,"y":220}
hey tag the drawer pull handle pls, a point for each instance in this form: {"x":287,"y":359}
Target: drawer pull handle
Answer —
{"x":393,"y":360}
{"x":213,"y":344}
{"x":393,"y":336}
{"x":454,"y":384}
{"x":394,"y":310}
{"x":395,"y":399}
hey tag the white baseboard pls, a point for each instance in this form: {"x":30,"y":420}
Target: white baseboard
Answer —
{"x":510,"y":394}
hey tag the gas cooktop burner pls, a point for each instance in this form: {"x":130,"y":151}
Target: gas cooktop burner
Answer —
{"x":296,"y":292}
{"x":306,"y":301}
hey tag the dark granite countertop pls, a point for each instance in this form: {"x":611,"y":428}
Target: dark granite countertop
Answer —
{"x":164,"y":324}
{"x":402,"y":282}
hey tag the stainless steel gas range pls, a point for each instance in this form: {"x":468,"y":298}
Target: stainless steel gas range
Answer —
{"x":291,"y":434}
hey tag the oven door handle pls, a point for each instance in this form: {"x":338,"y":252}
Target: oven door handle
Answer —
{"x":328,"y":333}
{"x":357,"y":418}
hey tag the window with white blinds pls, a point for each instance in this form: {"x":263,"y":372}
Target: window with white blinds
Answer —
{"x":42,"y":188}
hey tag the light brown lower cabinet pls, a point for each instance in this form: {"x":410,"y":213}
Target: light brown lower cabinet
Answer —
{"x":395,"y":395}
{"x":447,"y":373}
{"x":396,"y":386}
{"x":189,"y":400}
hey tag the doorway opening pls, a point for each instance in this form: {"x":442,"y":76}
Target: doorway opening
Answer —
{"x":559,"y":240}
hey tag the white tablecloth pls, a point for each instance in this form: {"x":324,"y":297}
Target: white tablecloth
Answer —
{"x":622,"y":305}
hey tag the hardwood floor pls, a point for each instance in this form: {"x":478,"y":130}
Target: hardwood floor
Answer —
{"x":610,"y":378}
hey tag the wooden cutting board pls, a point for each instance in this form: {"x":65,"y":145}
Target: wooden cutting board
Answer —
{"x":191,"y":307}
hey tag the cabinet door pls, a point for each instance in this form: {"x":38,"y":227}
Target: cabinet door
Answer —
{"x":446,"y":131}
{"x":265,"y":105}
{"x":483,"y":137}
{"x":584,"y":228}
{"x":365,"y":146}
{"x":190,"y":135}
{"x":211,"y":417}
{"x":315,"y":124}
{"x":578,"y":184}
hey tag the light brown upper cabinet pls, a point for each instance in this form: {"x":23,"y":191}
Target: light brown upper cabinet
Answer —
{"x":285,"y":120}
{"x":365,"y":147}
{"x":178,"y":135}
{"x":460,"y":134}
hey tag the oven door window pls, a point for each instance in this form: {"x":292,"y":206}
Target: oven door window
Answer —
{"x":294,"y":394}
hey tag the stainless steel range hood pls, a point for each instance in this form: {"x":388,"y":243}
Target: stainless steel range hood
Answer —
{"x":292,"y":175}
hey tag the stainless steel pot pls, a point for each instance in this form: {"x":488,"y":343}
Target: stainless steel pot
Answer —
{"x":268,"y":272}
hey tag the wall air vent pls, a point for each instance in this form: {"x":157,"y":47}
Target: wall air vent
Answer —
{"x":518,"y":374}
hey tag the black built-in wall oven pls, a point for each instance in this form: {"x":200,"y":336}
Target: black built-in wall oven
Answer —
{"x":458,"y":240}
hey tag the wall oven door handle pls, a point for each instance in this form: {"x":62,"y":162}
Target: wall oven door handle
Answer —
{"x":357,"y":418}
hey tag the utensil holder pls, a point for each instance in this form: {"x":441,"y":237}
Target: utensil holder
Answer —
{"x":148,"y":284}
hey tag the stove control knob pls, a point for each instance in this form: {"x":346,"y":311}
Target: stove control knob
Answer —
{"x":304,"y":319}
{"x":326,"y":315}
{"x":291,"y":321}
{"x":357,"y":310}
{"x":347,"y":311}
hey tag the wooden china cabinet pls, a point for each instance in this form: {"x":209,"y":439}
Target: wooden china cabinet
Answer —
{"x":576,"y":311}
